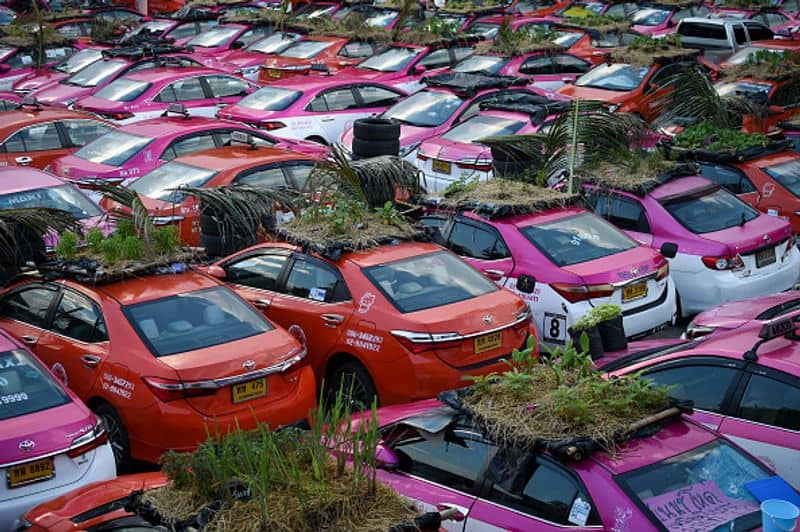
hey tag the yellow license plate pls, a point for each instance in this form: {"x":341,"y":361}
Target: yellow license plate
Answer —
{"x":442,"y":167}
{"x":488,"y":342}
{"x":273,"y":73}
{"x":634,"y":291}
{"x":247,"y":391}
{"x":31,"y":472}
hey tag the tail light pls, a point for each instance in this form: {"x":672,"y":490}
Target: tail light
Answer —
{"x":86,"y":442}
{"x":523,"y":321}
{"x":726,"y":262}
{"x":479,"y":165}
{"x":662,"y":272}
{"x":579,"y":292}
{"x":790,"y":243}
{"x":271,"y":126}
{"x":121,"y":115}
{"x":421,"y":156}
{"x":419,"y":342}
{"x":171,"y":390}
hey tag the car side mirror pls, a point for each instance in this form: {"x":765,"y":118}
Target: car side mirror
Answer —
{"x":526,"y":284}
{"x":420,"y":69}
{"x":217,"y":272}
{"x":385,"y":458}
{"x":235,"y":45}
{"x":669,"y":249}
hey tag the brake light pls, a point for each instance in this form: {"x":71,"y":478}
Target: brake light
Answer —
{"x":523,"y":321}
{"x":271,"y":126}
{"x":724,"y":263}
{"x":121,"y":115}
{"x":477,"y":165}
{"x":421,"y":156}
{"x":168,"y":390}
{"x":418,"y":342}
{"x":579,"y":292}
{"x":86,"y":442}
{"x":662,"y":272}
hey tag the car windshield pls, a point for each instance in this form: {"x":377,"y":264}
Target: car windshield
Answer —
{"x":576,"y":239}
{"x":567,"y":38}
{"x":213,"y":37}
{"x":744,"y":55}
{"x":64,"y":198}
{"x":428,"y":281}
{"x":787,"y":174}
{"x":114,"y":148}
{"x":755,"y":92}
{"x":79,"y":60}
{"x":489,"y":64}
{"x":95,"y":73}
{"x":274,"y":44}
{"x":194,"y":320}
{"x":392,"y":60}
{"x":650,"y":16}
{"x":481,"y":127}
{"x":26,"y":386}
{"x":702,"y":489}
{"x":312,"y":12}
{"x":161,"y":183}
{"x":123,"y":90}
{"x":425,"y":108}
{"x":709,"y":209}
{"x":613,"y":77}
{"x":485,"y":30}
{"x":270,"y":99}
{"x":381,"y":19}
{"x":306,"y":49}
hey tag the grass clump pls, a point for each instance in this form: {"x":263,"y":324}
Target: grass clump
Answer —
{"x":510,"y":42}
{"x":67,"y":247}
{"x":645,"y":51}
{"x":709,"y":137}
{"x":606,"y":312}
{"x":501,"y":197}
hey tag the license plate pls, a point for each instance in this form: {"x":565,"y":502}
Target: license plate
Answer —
{"x":31,"y":472}
{"x":443,"y":167}
{"x":765,"y":257}
{"x":273,"y":73}
{"x":488,"y":342}
{"x":247,"y":391}
{"x":634,"y":291}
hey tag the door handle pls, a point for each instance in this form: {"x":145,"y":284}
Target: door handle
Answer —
{"x":327,"y":119}
{"x":30,"y":340}
{"x":494,"y":275}
{"x":260,"y":303}
{"x":452,"y":511}
{"x":220,"y":105}
{"x":332,"y":320}
{"x":24,"y":159}
{"x":90,"y":361}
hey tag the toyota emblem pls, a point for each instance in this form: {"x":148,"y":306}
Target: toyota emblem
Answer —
{"x":488,"y":319}
{"x":26,"y":446}
{"x":249,"y":364}
{"x":634,"y":271}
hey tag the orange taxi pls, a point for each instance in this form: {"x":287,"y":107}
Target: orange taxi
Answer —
{"x":398,"y":322}
{"x":162,"y":358}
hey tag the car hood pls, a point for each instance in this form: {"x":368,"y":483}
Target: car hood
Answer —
{"x":591,"y":93}
{"x":93,"y":104}
{"x":39,"y":81}
{"x":60,"y":94}
{"x":362,"y":73}
{"x":440,"y":148}
{"x":735,"y":313}
{"x":753,"y":235}
{"x":630,"y":264}
{"x":279,"y":61}
{"x":51,"y":430}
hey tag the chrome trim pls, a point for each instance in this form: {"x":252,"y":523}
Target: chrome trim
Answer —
{"x":651,"y":275}
{"x":434,"y":338}
{"x":54,"y":453}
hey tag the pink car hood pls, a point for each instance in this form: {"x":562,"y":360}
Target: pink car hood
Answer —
{"x":52,"y":430}
{"x":39,"y":81}
{"x":59,"y":94}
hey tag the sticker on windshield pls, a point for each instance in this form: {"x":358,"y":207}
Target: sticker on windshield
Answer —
{"x":554,"y":328}
{"x":13,"y":398}
{"x":317,"y":294}
{"x":579,"y":513}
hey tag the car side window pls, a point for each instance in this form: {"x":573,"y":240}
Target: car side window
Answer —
{"x":539,"y":65}
{"x":705,"y":384}
{"x":79,"y":318}
{"x":266,"y":177}
{"x":38,"y":137}
{"x":182,"y":90}
{"x":300,"y":174}
{"x":569,"y":64}
{"x":188,"y":145}
{"x":253,"y":34}
{"x":28,"y":305}
{"x":623,"y":212}
{"x":459,"y":54}
{"x":472,"y":241}
{"x":260,"y":271}
{"x":357,"y":49}
{"x":771,"y":402}
{"x":374,"y":96}
{"x":334,"y":100}
{"x":549,"y":494}
{"x":313,"y":280}
{"x":226,"y":86}
{"x":436,"y":59}
{"x":82,"y":132}
{"x":224,"y":138}
{"x":731,"y":178}
{"x":758,"y":32}
{"x":739,"y":34}
{"x":784,"y":95}
{"x":664,"y":74}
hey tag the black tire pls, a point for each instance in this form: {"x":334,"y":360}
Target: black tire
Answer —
{"x":374,"y":148}
{"x":117,"y":435}
{"x":353,"y":376}
{"x":209,"y":225}
{"x":318,"y":140}
{"x":380,"y":129}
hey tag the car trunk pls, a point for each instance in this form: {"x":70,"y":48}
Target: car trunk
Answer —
{"x":760,"y":243}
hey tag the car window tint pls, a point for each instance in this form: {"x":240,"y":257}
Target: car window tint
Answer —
{"x":225,"y":86}
{"x":758,"y":32}
{"x":28,"y":305}
{"x":537,"y":65}
{"x":568,"y":64}
{"x":185,"y":89}
{"x":706,"y":385}
{"x":739,"y":34}
{"x":459,"y":54}
{"x":25,"y":386}
{"x":622,"y":212}
{"x":730,"y":178}
{"x":357,"y":49}
{"x":311,"y":280}
{"x":472,"y":241}
{"x":300,"y":173}
{"x":454,"y":459}
{"x":82,"y":132}
{"x":77,"y":317}
{"x":436,"y":59}
{"x":377,"y":96}
{"x":268,"y":177}
{"x":188,"y":145}
{"x":35,"y":138}
{"x":261,"y":271}
{"x":771,"y":402}
{"x":339,"y":100}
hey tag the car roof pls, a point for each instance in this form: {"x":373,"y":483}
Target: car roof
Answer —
{"x":237,"y":157}
{"x":681,"y":185}
{"x":309,"y":83}
{"x":169,"y":73}
{"x":389,"y":253}
{"x":148,"y":287}
{"x":12,"y":120}
{"x":19,"y":178}
{"x":164,"y":126}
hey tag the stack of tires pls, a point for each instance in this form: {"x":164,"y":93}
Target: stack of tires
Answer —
{"x":375,"y":136}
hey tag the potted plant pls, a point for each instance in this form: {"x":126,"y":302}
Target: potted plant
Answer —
{"x":610,"y":326}
{"x":588,"y":324}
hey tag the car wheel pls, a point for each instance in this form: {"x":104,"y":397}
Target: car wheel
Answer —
{"x":117,"y":435}
{"x":356,"y":385}
{"x":382,"y":129}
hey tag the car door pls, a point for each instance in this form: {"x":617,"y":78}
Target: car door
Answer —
{"x":25,"y":313}
{"x":732,"y":179}
{"x":222,"y":91}
{"x":766,"y":419}
{"x":189,"y":91}
{"x":186,"y":144}
{"x":625,"y":213}
{"x":36,"y":145}
{"x":482,"y":246}
{"x":79,"y":132}
{"x":255,"y":276}
{"x":333,"y":109}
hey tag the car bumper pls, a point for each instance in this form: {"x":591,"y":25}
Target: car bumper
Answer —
{"x":102,"y":468}
{"x":182,"y":428}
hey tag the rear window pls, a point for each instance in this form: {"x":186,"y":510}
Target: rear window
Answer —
{"x":703,"y":30}
{"x":709,"y":210}
{"x":270,"y":99}
{"x":194,"y":320}
{"x":787,"y":174}
{"x":482,"y":127}
{"x":164,"y":182}
{"x":306,"y":49}
{"x":65,"y":198}
{"x":114,"y":148}
{"x":428,"y":281}
{"x":577,"y":239}
{"x":25,"y":386}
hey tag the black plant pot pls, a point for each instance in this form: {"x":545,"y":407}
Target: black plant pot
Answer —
{"x":612,"y":333}
{"x":595,"y":341}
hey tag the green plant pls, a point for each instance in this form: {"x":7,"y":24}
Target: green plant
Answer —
{"x":606,"y":312}
{"x":125,"y":228}
{"x":586,"y":322}
{"x":131,"y":248}
{"x":166,"y":239}
{"x":388,"y":214}
{"x":94,"y":239}
{"x":111,"y":249}
{"x":67,"y":247}
{"x":710,"y":137}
